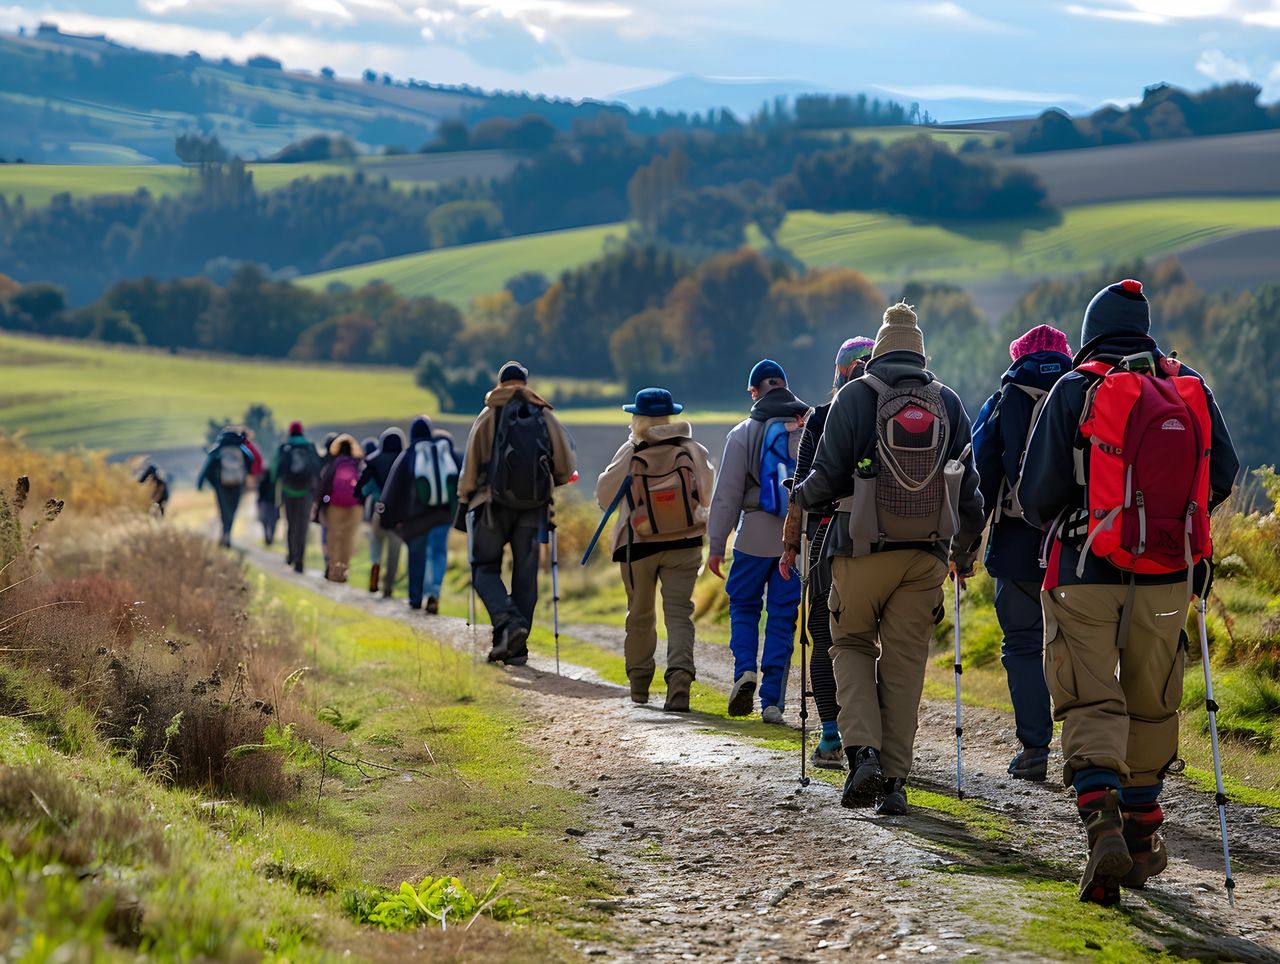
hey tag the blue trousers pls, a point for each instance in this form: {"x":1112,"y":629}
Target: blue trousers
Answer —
{"x":1022,"y":622}
{"x":417,"y":547}
{"x":437,"y":560}
{"x":751,"y":580}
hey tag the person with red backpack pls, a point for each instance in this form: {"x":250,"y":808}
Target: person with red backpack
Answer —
{"x":518,"y":453}
{"x":340,"y":508}
{"x":894,"y":470}
{"x":1000,"y":434}
{"x":1127,"y":460}
{"x":661,"y":480}
{"x":750,"y":500}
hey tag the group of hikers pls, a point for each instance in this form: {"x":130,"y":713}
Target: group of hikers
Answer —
{"x":1091,"y":474}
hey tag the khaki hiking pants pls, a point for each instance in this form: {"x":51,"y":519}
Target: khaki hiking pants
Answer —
{"x":677,"y":571}
{"x":883,"y":608}
{"x":344,"y":525}
{"x":1125,"y":721}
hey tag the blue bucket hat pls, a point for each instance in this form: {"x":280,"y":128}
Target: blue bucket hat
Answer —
{"x":653,"y":403}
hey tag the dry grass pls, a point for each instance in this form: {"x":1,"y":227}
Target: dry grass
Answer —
{"x":85,"y":480}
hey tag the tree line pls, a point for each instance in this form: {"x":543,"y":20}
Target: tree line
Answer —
{"x":1165,"y":112}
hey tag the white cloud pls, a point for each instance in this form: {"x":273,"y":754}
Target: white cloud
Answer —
{"x":314,"y":11}
{"x":1261,"y":13}
{"x":1220,"y":68}
{"x":954,"y":15}
{"x":489,"y":35}
{"x":1127,"y":16}
{"x":958,"y":91}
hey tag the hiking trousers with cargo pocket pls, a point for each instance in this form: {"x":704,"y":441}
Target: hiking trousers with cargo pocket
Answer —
{"x":1125,"y":722}
{"x":883,"y":608}
{"x":677,"y":571}
{"x":494,"y":528}
{"x":343,"y":522}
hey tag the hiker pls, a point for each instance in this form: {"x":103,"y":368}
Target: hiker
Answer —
{"x":1128,"y":458}
{"x":325,"y":459}
{"x":296,"y":477}
{"x":1000,"y":434}
{"x":257,"y":467}
{"x":226,"y":469}
{"x":895,"y":455}
{"x":517,"y":454}
{"x":447,"y":464}
{"x":159,"y":493}
{"x":759,"y":453}
{"x":851,"y":361}
{"x":383,"y":543}
{"x":268,"y":510}
{"x":340,"y":507}
{"x":667,"y":480}
{"x":420,"y":497}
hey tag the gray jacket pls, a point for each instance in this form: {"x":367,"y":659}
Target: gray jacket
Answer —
{"x":735,"y":504}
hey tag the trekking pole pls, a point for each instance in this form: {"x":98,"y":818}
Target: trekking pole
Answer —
{"x":959,"y":718}
{"x":555,"y":595}
{"x":471,"y":574}
{"x":1211,"y":705}
{"x":804,"y":660}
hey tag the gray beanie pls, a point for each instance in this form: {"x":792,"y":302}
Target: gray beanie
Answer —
{"x":900,"y":332}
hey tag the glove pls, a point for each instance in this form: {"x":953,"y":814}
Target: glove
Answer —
{"x":1202,"y":578}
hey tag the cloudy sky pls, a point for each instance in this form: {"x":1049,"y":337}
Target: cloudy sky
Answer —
{"x":1084,"y":52}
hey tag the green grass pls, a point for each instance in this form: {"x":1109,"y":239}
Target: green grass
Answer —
{"x":459,"y":274}
{"x":955,"y":138}
{"x":885,"y":247}
{"x":37,"y":184}
{"x":63,"y":393}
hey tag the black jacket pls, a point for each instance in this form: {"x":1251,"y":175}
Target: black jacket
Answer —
{"x":849,"y":436}
{"x":999,"y":439}
{"x":1048,"y":474}
{"x":377,"y":466}
{"x":400,"y":509}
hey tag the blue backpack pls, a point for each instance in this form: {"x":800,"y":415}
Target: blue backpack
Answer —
{"x":776,"y":464}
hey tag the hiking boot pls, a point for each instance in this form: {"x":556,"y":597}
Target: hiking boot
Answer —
{"x":1031,"y":764}
{"x":743,"y":695}
{"x":863,"y":784}
{"x":521,"y":660}
{"x":893,"y":803}
{"x":418,"y":605}
{"x":518,"y":640}
{"x":1146,"y":846}
{"x":828,"y":756}
{"x":678,"y":684}
{"x":433,"y":606}
{"x":297,"y":567}
{"x":373,"y":577}
{"x":1109,"y":860}
{"x":639,"y":690}
{"x":772,"y":714}
{"x":501,"y":650}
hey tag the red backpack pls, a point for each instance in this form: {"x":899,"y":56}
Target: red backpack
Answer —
{"x":1147,"y":486}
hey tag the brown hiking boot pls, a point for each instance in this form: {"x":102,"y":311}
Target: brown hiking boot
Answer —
{"x":678,"y":683}
{"x":1109,"y":859}
{"x":640,"y":690}
{"x":373,"y":577}
{"x":1146,"y":846}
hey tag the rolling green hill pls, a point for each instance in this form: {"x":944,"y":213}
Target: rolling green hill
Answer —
{"x":885,"y":247}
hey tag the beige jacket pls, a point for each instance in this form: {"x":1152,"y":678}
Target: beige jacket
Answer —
{"x":472,"y":491}
{"x":611,"y":480}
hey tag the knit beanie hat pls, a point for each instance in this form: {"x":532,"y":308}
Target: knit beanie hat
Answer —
{"x":1039,"y":338}
{"x":900,"y":332}
{"x":513,"y":371}
{"x":765,"y":368}
{"x":295,"y":428}
{"x":851,"y":352}
{"x":1119,"y":309}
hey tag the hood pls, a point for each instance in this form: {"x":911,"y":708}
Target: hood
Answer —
{"x":1117,"y":346}
{"x":663,"y":432}
{"x":508,"y":390}
{"x":228,"y":437}
{"x":420,"y":429}
{"x":1040,"y":369}
{"x":391,"y":441}
{"x":440,"y":433}
{"x":892,"y":367}
{"x":357,"y":450}
{"x":369,"y":444}
{"x":779,"y":403}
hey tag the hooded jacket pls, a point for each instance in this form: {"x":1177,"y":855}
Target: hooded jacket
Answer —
{"x":211,"y":470}
{"x":611,"y":479}
{"x":849,"y":436}
{"x":1049,"y":484}
{"x":473,"y":485}
{"x":377,"y":465}
{"x":291,"y":442}
{"x":735,"y":504}
{"x":329,"y":475}
{"x":399,"y":507}
{"x":999,"y":441}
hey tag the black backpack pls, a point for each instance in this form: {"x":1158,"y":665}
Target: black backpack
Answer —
{"x":298,"y":466}
{"x":520,"y":464}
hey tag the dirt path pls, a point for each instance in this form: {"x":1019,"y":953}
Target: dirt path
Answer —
{"x":722,"y":857}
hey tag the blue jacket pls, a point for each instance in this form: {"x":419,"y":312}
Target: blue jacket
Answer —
{"x":1048,"y":473}
{"x":211,"y":470}
{"x":999,"y":438}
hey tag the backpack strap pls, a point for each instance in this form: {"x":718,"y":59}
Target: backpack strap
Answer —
{"x":1098,"y":370}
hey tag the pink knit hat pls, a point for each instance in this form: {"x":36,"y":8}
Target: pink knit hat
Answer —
{"x":1040,"y":338}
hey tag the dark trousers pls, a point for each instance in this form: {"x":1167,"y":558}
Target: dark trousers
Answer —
{"x":269,"y":516}
{"x":822,"y":678}
{"x":297,"y":519}
{"x":493,"y":529}
{"x":228,"y":497}
{"x":417,"y":548}
{"x":1022,"y":622}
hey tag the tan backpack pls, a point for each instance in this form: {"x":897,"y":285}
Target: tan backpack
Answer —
{"x":663,"y":497}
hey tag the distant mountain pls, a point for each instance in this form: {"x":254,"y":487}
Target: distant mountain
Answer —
{"x":744,"y":96}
